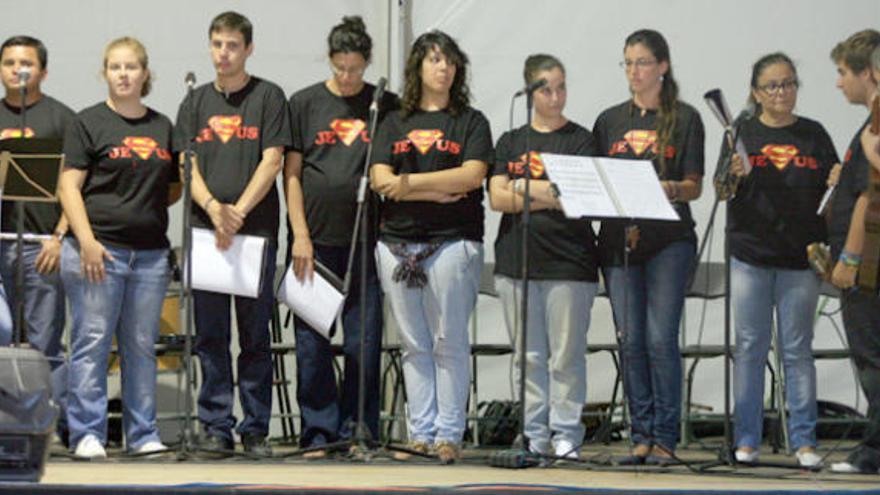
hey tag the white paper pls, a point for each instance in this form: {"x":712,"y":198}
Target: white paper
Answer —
{"x":744,"y":156}
{"x":236,"y":271}
{"x":317,"y":301}
{"x":599,"y":187}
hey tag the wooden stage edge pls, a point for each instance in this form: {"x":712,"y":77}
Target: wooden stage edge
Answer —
{"x":381,"y":472}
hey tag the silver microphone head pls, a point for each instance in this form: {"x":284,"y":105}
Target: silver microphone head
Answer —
{"x":190,"y":79}
{"x":24,"y":75}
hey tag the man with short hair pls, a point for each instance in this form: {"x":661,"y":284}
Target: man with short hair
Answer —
{"x":42,"y":291}
{"x":846,"y":234}
{"x":242,"y":128}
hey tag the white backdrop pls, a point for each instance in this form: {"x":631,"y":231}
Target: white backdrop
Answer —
{"x":713,"y":44}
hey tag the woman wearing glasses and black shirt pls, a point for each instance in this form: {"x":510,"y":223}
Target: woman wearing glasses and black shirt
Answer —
{"x":772,"y":220}
{"x":647,"y":299}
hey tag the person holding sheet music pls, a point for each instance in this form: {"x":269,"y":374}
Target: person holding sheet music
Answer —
{"x":563,"y":265}
{"x":242,"y":127}
{"x":771,"y":221}
{"x":322,"y":170}
{"x":43,"y":292}
{"x":118,"y":180}
{"x":429,"y":162}
{"x":652,"y":125}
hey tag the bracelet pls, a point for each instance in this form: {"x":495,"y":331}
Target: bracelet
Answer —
{"x":59,"y":235}
{"x":850,"y":259}
{"x":208,"y":203}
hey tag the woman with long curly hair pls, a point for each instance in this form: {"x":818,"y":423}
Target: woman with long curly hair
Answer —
{"x":430,"y":161}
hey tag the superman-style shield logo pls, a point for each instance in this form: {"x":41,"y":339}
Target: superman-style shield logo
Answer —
{"x":640,"y":140}
{"x":423,"y":139}
{"x":347,"y":129}
{"x":780,"y":154}
{"x":15,"y":133}
{"x":536,"y":164}
{"x":141,"y":146}
{"x":225,"y":126}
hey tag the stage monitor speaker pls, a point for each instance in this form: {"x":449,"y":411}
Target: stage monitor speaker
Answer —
{"x":27,"y":413}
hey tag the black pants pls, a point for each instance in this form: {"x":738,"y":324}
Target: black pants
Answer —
{"x":861,"y":318}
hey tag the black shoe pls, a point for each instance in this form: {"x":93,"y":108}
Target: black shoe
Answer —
{"x":216,"y":446}
{"x":257,"y":445}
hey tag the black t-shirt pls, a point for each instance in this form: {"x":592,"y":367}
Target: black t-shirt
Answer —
{"x":773,"y":216}
{"x":332,"y":133}
{"x":852,"y":183}
{"x":47,"y":118}
{"x":232,"y":133}
{"x":623,"y":132}
{"x":559,"y":248}
{"x":129,"y":164}
{"x":429,"y":142}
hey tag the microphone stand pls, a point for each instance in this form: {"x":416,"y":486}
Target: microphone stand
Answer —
{"x":19,"y":335}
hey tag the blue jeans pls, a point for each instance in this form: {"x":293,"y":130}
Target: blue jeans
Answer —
{"x":128,"y":303}
{"x":254,"y":364}
{"x":556,"y":346}
{"x":649,"y":331}
{"x":326,"y":414}
{"x":43,"y":314}
{"x":433,"y":323}
{"x":755,"y":292}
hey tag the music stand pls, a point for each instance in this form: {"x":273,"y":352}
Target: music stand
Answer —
{"x":29,"y":172}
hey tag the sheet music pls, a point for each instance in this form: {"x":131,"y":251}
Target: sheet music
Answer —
{"x":236,"y":271}
{"x":744,"y":155}
{"x":317,"y":301}
{"x":600,"y":187}
{"x":582,"y":191}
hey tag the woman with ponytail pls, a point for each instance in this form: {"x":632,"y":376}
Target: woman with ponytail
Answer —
{"x":647,"y":299}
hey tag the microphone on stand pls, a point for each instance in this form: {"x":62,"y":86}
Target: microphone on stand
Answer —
{"x":378,"y":93}
{"x":531,"y":87}
{"x":190,"y":80}
{"x":24,"y":75}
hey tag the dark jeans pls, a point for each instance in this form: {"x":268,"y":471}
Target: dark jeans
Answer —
{"x":254,"y":362}
{"x":861,"y":318}
{"x":327,"y":414}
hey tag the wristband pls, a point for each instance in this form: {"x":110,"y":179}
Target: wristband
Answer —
{"x":208,"y":203}
{"x":850,"y":259}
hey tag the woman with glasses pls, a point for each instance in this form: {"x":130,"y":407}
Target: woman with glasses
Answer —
{"x":647,"y":298}
{"x":329,"y":122}
{"x":771,"y":221}
{"x":430,"y":161}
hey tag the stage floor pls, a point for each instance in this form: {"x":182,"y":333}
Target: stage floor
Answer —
{"x":382,"y":474}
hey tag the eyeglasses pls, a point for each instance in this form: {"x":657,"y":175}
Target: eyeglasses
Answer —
{"x":349,"y":71}
{"x":641,"y":63}
{"x":778,"y":87}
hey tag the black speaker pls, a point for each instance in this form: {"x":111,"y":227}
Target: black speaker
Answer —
{"x":27,"y":413}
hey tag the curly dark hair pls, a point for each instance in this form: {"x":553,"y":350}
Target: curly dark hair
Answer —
{"x":350,"y":36}
{"x":459,"y":93}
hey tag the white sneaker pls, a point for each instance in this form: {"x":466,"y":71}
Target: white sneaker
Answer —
{"x":150,"y":447}
{"x":848,"y":468}
{"x":566,"y":450}
{"x":747,"y":457}
{"x":90,"y":448}
{"x":809,"y":459}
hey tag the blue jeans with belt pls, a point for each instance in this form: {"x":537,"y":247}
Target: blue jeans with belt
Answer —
{"x":128,"y":304}
{"x":650,"y":329}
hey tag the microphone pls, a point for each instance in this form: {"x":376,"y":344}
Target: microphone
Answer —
{"x":743,"y":116}
{"x":378,"y":93}
{"x":190,"y":79}
{"x":24,"y":75}
{"x":531,"y":87}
